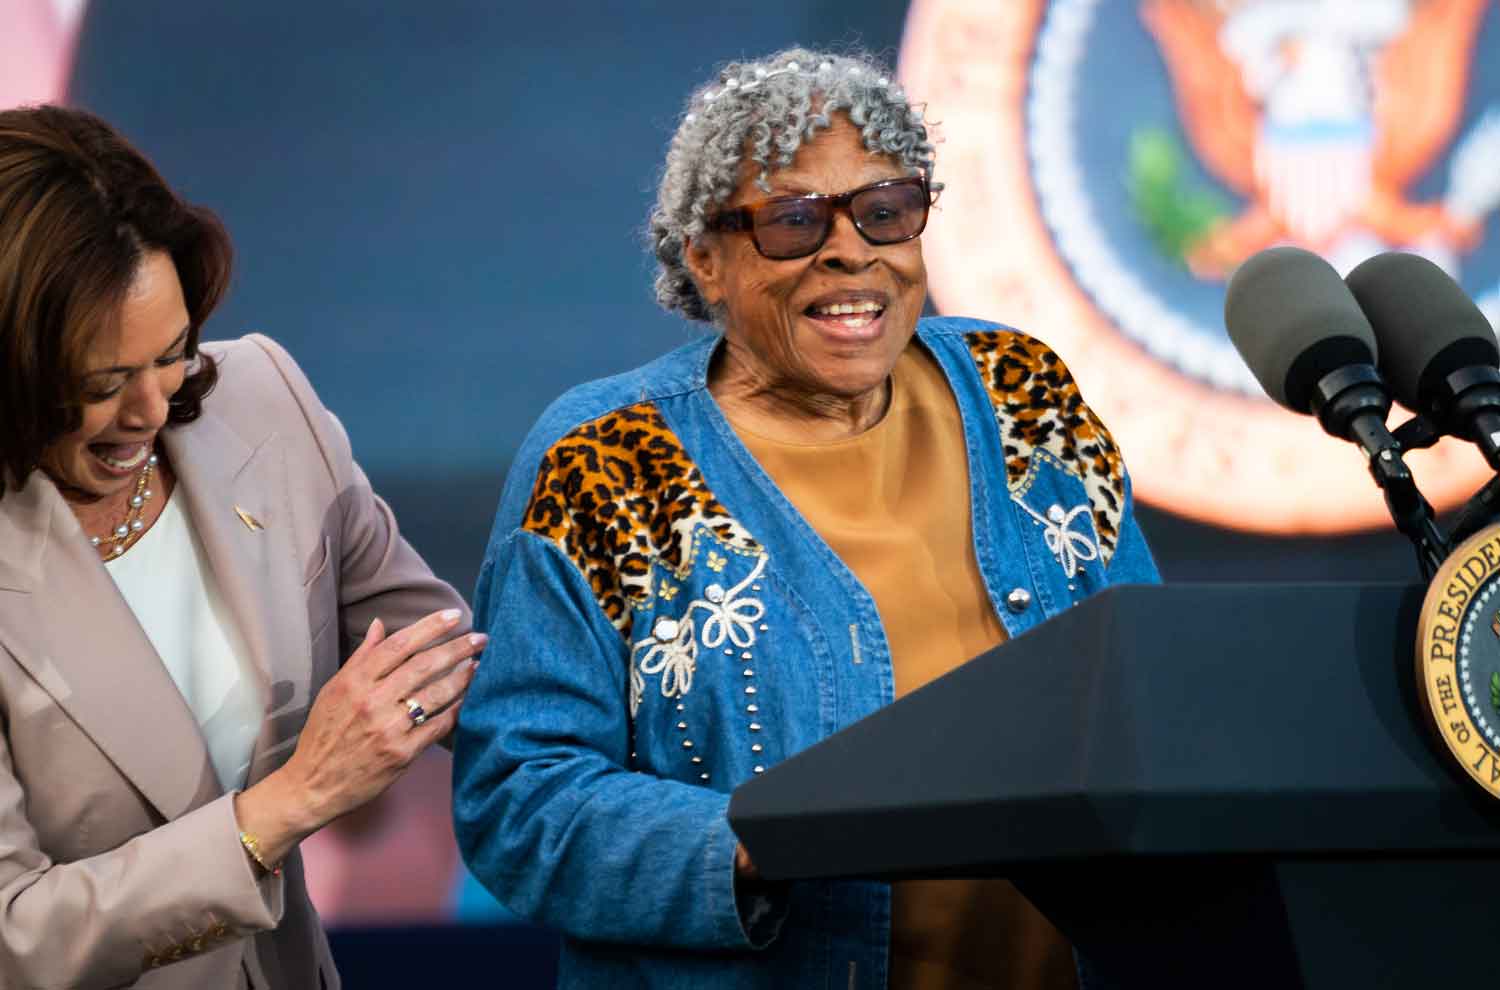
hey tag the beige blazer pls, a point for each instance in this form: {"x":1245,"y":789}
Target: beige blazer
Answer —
{"x":120,"y":863}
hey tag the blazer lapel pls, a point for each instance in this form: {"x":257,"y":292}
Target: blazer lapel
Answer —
{"x":241,"y":508}
{"x":65,"y":622}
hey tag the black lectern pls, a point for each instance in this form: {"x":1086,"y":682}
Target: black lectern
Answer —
{"x":1216,"y":785}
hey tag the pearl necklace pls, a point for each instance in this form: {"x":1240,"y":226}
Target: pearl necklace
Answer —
{"x":125,"y":534}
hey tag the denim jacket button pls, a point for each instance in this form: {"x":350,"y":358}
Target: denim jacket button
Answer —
{"x":1019,"y":600}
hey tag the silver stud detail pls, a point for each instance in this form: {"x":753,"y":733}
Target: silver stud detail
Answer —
{"x":665,"y":630}
{"x":697,"y":759}
{"x":728,"y":652}
{"x":755,"y":587}
{"x":758,"y":769}
{"x":745,"y":655}
{"x":687,"y":744}
{"x":703,"y":776}
{"x":714,"y":593}
{"x":749,"y":672}
{"x":757,"y":748}
{"x":764,"y":627}
{"x":1019,"y":600}
{"x":682,"y":708}
{"x":752,"y":709}
{"x":750,"y":689}
{"x":682,"y":725}
{"x":754,"y":726}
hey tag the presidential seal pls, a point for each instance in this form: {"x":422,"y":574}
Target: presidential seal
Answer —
{"x":1110,"y":162}
{"x":1458,"y":656}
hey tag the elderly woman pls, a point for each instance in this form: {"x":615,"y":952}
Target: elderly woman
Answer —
{"x":705,"y":565}
{"x":182,"y":575}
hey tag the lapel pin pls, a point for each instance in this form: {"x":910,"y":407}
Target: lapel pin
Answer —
{"x":251,"y":523}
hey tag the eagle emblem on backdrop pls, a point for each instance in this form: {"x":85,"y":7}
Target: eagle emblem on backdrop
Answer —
{"x":1110,"y":162}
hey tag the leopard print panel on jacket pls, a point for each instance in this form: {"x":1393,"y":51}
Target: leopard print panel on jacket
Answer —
{"x":618,"y":494}
{"x":1038,"y":406}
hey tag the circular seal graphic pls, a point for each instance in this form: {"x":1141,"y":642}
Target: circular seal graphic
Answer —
{"x":1108,"y":164}
{"x":1458,"y":656}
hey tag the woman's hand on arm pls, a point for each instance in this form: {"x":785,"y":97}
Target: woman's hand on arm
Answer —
{"x":359,"y":736}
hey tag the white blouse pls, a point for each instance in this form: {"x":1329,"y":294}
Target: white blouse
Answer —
{"x":167,"y":582}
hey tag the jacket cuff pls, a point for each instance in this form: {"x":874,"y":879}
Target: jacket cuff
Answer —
{"x":260,"y":901}
{"x":752,"y":912}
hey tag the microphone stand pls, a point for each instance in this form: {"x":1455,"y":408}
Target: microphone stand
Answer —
{"x":1468,"y":400}
{"x":1352,"y":403}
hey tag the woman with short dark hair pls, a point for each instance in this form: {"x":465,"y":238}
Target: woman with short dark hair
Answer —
{"x":213,"y":639}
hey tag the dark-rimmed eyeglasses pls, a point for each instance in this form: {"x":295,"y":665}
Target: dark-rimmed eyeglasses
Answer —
{"x":786,"y":227}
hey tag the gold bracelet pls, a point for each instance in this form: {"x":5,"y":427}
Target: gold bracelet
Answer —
{"x":253,"y":848}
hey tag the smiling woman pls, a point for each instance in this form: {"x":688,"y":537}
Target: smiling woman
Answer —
{"x":731,"y":553}
{"x":184,"y":576}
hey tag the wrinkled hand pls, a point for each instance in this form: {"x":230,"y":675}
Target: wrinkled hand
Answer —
{"x":359,"y":736}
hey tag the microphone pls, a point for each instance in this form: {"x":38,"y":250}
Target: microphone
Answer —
{"x":1310,"y":345}
{"x":1436,"y":348}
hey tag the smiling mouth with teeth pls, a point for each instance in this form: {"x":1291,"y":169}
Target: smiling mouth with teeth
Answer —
{"x":107,"y":453}
{"x":852,"y":315}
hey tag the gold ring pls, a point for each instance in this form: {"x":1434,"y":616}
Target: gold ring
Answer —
{"x":414,"y":710}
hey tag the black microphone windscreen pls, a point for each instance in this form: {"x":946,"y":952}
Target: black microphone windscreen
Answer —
{"x":1293,"y":320}
{"x":1426,"y":326}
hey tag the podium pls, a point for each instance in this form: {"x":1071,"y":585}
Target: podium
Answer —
{"x":1201,"y":786}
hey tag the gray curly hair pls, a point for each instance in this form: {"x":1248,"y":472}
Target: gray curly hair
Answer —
{"x":767,"y":108}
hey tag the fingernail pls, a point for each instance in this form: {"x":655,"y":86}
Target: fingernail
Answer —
{"x":452,"y":615}
{"x":478,"y":639}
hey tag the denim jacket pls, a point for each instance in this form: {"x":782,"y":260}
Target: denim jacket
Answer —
{"x":664,"y":625}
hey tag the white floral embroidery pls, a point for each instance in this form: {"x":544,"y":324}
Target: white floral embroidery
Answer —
{"x":731,"y":616}
{"x":1068,"y":546}
{"x":637,"y":689}
{"x":674,"y":659}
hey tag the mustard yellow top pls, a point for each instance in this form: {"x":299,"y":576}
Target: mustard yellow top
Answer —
{"x":893,"y":503}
